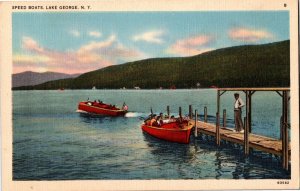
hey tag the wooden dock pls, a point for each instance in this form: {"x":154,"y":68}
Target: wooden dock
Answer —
{"x":279,"y":147}
{"x":258,"y":142}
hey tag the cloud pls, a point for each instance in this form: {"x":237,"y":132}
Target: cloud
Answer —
{"x":90,"y":56}
{"x":31,"y":45}
{"x":30,"y":58}
{"x":95,"y":34}
{"x":75,"y":33}
{"x":191,"y":45}
{"x":249,"y":35}
{"x":154,"y":36}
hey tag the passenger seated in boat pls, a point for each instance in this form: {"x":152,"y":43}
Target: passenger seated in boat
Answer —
{"x":172,"y":119}
{"x":125,"y":107}
{"x":99,"y":101}
{"x":161,"y":121}
{"x":156,"y":122}
{"x":153,"y":122}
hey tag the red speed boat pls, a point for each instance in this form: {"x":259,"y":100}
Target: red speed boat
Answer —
{"x":173,"y":131}
{"x":101,"y":108}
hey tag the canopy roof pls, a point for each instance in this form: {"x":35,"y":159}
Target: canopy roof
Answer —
{"x":254,"y":89}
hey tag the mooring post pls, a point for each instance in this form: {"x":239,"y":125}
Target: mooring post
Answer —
{"x":281,"y":128}
{"x":218,"y":128}
{"x":286,"y":131}
{"x":218,"y":118}
{"x":205,"y":114}
{"x":168,"y":111}
{"x":180,"y":114}
{"x":285,"y":138}
{"x":250,"y":111}
{"x":224,"y":118}
{"x":247,"y":122}
{"x":196,"y":120}
{"x":190,"y":112}
{"x":246,"y":138}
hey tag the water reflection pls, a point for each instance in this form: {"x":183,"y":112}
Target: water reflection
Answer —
{"x":164,"y":150}
{"x":229,"y":160}
{"x":94,"y":118}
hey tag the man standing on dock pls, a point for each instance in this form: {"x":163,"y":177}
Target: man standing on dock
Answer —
{"x":238,"y":113}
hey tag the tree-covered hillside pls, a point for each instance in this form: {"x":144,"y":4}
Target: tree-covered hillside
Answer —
{"x":264,"y":65}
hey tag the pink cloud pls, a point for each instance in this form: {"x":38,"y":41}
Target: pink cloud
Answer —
{"x":249,"y":35}
{"x":191,"y":46}
{"x":88,"y":57}
{"x":31,"y":45}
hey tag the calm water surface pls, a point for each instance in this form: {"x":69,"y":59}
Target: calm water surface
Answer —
{"x":52,"y":141}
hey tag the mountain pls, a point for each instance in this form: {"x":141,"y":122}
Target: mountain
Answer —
{"x":33,"y":78}
{"x":266,"y":65}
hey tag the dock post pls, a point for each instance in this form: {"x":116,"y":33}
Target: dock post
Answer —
{"x":180,"y":114}
{"x":285,"y":138}
{"x":287,"y":132}
{"x":218,"y":129}
{"x":281,"y":128}
{"x":190,"y":112}
{"x":196,"y":119}
{"x":250,"y":111}
{"x":205,"y":114}
{"x":247,"y":122}
{"x":168,"y":111}
{"x":224,"y":118}
{"x":246,"y":137}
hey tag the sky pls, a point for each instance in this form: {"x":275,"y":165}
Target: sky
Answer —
{"x":81,"y":42}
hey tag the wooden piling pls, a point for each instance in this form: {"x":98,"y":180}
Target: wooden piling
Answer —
{"x":246,"y":137}
{"x":168,"y":111}
{"x":281,"y":128}
{"x":196,"y":119}
{"x":224,"y":117}
{"x":180,"y":113}
{"x":249,"y":110}
{"x":190,"y":112}
{"x":218,"y":129}
{"x":205,"y":114}
{"x":285,"y":138}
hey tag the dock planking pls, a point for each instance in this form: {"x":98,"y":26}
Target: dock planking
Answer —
{"x":258,"y":142}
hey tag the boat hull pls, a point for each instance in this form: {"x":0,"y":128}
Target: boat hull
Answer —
{"x":170,"y":132}
{"x":101,"y":111}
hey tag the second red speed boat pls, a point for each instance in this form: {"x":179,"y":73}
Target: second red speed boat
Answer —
{"x":102,"y":109}
{"x":174,"y":131}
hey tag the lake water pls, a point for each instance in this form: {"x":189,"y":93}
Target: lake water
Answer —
{"x":52,"y":141}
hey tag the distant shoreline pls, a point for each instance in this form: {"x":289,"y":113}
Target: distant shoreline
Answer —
{"x":264,"y":65}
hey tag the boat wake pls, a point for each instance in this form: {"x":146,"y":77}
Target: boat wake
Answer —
{"x":128,"y":115}
{"x":80,"y":111}
{"x":134,"y":114}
